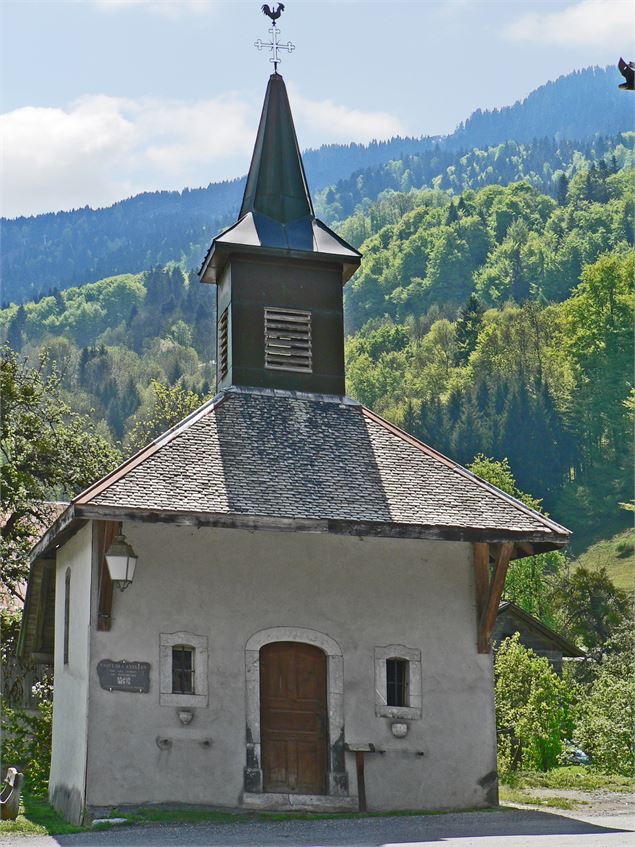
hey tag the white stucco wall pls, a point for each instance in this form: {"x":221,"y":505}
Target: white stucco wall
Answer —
{"x":70,"y":699}
{"x":363,"y":593}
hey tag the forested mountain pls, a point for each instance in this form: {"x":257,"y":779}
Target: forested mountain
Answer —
{"x":58,"y":250}
{"x":502,"y":244}
{"x":573,"y":106}
{"x":498,"y":321}
{"x":546,"y":164}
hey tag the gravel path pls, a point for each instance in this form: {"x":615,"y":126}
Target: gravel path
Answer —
{"x":500,"y":828}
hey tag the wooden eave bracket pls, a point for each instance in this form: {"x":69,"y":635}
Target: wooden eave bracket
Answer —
{"x":489,"y":590}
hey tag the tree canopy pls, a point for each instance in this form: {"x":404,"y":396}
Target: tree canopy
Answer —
{"x":49,"y":452}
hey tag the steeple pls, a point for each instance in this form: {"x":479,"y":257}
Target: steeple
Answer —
{"x":276,"y":212}
{"x":279,"y":272}
{"x":276,"y":183}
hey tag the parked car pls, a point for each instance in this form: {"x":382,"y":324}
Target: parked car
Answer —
{"x":575,"y":755}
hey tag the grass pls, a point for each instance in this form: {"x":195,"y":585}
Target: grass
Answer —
{"x":525,"y":786}
{"x":573,"y":777}
{"x":616,"y":554}
{"x":527,"y":798}
{"x":37,"y":818}
{"x":175,"y":815}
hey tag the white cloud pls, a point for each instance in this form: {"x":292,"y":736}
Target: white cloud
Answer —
{"x":101,"y":149}
{"x":333,"y":122}
{"x":592,"y":23}
{"x":167,"y":8}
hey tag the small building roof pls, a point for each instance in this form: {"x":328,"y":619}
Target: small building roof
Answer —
{"x":285,"y":460}
{"x":277,"y":213}
{"x":566,"y":647}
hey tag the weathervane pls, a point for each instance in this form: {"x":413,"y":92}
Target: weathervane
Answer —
{"x":274,"y":45}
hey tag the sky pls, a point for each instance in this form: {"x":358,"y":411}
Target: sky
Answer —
{"x":102,"y":99}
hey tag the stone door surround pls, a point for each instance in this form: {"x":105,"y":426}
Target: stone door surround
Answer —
{"x":337,"y":780}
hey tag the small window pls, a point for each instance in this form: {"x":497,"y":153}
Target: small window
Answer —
{"x":398,"y":689}
{"x":288,"y":340}
{"x":397,"y":682}
{"x":182,"y":669}
{"x":67,"y":612}
{"x":223,"y":345}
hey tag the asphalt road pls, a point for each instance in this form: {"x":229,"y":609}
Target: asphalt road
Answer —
{"x":500,"y":828}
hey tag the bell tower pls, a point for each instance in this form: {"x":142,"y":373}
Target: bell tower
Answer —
{"x":279,"y":272}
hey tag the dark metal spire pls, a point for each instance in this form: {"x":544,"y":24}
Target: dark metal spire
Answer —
{"x":276,"y":182}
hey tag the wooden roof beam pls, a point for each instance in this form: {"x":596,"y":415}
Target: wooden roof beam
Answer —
{"x":488,"y":600}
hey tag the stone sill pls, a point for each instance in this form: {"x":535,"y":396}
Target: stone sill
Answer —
{"x":299,"y":802}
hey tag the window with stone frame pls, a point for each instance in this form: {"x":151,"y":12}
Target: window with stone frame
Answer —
{"x":183,"y":671}
{"x":398,"y":682}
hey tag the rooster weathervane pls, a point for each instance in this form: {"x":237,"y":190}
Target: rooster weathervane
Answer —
{"x":274,"y":45}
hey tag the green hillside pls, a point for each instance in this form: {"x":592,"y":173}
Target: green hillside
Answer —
{"x":617,"y":555}
{"x":496,"y":322}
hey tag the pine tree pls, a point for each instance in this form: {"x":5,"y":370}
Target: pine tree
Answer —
{"x":15,"y":333}
{"x":562,"y":189}
{"x":410,"y":418}
{"x":468,"y":326}
{"x":452,"y":216}
{"x":84,"y":359}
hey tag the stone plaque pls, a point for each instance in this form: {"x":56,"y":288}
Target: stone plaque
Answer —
{"x":124,"y":676}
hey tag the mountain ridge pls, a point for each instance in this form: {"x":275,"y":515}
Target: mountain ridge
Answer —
{"x":57,"y":250}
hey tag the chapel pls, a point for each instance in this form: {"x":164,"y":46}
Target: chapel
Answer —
{"x":310,"y":592}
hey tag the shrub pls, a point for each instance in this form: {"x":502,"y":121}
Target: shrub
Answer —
{"x":26,"y":743}
{"x":532,"y":709}
{"x":606,"y":715}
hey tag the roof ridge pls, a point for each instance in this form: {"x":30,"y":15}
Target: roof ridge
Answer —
{"x":149,"y":450}
{"x":541,"y":625}
{"x":455,"y":466}
{"x":291,"y":394}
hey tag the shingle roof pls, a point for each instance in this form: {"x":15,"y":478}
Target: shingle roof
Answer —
{"x":568,"y":648}
{"x":284,"y":455}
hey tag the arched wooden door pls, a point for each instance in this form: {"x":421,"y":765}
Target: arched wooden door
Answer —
{"x":293,"y":717}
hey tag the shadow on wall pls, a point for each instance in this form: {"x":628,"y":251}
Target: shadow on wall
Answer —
{"x":68,"y":802}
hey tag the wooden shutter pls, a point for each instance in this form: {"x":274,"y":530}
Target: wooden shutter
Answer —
{"x":288,"y":340}
{"x":223,"y":345}
{"x":67,"y":612}
{"x":105,"y":532}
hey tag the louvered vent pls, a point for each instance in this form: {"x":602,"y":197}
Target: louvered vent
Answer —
{"x":288,"y":340}
{"x":223,"y":344}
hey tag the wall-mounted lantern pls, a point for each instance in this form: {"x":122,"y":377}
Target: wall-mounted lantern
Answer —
{"x":121,"y":559}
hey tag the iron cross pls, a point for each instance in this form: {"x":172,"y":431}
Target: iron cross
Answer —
{"x":274,"y":46}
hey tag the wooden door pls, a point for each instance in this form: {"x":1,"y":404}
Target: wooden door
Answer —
{"x":293,"y":717}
